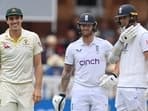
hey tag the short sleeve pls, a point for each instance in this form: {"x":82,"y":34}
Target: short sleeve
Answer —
{"x":144,"y":42}
{"x":69,"y":56}
{"x":37,"y":45}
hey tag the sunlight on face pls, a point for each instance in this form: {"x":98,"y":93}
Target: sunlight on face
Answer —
{"x":86,"y":29}
{"x":14,"y":22}
{"x":124,"y":21}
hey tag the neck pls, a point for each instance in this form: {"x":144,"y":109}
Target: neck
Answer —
{"x":15,"y":34}
{"x":133,"y":23}
{"x":88,"y":39}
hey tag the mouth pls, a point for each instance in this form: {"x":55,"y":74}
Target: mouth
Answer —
{"x":85,"y":30}
{"x":14,"y":25}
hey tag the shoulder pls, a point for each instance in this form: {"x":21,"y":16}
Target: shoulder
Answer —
{"x":102,"y":42}
{"x":141,"y":29}
{"x":75,"y":43}
{"x":2,"y":36}
{"x":28,"y":33}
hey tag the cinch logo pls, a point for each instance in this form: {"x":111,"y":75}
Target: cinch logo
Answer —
{"x":86,"y":62}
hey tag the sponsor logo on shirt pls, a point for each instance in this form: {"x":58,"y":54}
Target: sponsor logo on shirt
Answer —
{"x":78,"y":50}
{"x":6,"y":45}
{"x":97,"y":48}
{"x":26,"y":42}
{"x":88,"y":62}
{"x":39,"y":43}
{"x":146,"y":42}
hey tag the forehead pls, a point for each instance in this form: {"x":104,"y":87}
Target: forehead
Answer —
{"x":124,"y":17}
{"x":86,"y":24}
{"x":14,"y":17}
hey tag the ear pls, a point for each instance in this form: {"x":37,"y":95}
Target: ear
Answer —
{"x":95,"y":27}
{"x":7,"y":21}
{"x":78,"y":27}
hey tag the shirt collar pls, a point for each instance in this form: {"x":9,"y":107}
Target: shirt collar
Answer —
{"x":10,"y":38}
{"x":92,"y":43}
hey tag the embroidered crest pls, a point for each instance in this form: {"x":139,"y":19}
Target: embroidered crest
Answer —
{"x":97,"y":48}
{"x":6,"y":45}
{"x":78,"y":50}
{"x":120,"y":10}
{"x":26,"y":42}
{"x":86,"y":17}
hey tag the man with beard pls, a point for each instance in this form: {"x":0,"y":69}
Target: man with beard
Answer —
{"x":87,"y":57}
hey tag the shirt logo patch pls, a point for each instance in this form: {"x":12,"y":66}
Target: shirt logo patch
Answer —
{"x":39,"y":43}
{"x":146,"y":42}
{"x":120,"y":10}
{"x":89,"y":61}
{"x":86,"y":17}
{"x":6,"y":45}
{"x":78,"y":50}
{"x":97,"y":48}
{"x":26,"y":42}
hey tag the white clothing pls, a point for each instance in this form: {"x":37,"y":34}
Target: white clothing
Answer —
{"x":88,"y":98}
{"x":18,"y":94}
{"x":17,"y":56}
{"x":133,"y":67}
{"x":131,"y":99}
{"x":89,"y":60}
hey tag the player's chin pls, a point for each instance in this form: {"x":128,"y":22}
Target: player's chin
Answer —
{"x":86,"y":33}
{"x":15,"y":28}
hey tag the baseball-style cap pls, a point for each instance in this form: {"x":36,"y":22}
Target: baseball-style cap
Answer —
{"x":14,"y":11}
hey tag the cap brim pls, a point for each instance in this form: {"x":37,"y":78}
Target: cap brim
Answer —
{"x":13,"y":14}
{"x":117,"y":16}
{"x":83,"y":23}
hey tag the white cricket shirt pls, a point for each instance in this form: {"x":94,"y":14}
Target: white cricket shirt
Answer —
{"x":133,"y":67}
{"x":89,"y":60}
{"x":17,"y":57}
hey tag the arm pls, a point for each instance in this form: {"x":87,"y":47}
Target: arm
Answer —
{"x":146,"y":55}
{"x":117,"y":68}
{"x":38,"y":77}
{"x":114,"y":56}
{"x":59,"y":100}
{"x":67,"y":72}
{"x":146,"y":59}
{"x":125,"y":37}
{"x":110,"y":80}
{"x":144,"y":47}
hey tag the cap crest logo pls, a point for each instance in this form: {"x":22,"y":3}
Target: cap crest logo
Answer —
{"x":13,"y":10}
{"x":86,"y":17}
{"x":120,"y":10}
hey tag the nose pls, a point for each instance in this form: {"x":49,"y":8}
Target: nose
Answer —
{"x":14,"y":20}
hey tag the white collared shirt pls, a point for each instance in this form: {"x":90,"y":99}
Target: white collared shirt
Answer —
{"x":89,"y":60}
{"x":133,"y":66}
{"x":17,"y":56}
